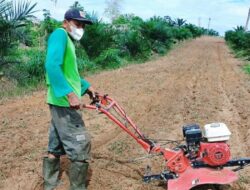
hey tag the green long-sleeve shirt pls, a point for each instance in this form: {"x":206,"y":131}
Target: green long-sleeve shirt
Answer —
{"x":62,"y":74}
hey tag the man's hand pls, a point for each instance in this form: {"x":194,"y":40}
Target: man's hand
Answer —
{"x":91,"y":92}
{"x":93,"y":95}
{"x":74,"y":101}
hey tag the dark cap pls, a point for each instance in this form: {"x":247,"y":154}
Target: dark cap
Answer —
{"x":77,"y":15}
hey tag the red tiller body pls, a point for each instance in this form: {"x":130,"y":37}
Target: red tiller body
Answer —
{"x":183,"y":172}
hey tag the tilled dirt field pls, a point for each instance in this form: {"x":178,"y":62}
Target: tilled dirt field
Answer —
{"x":198,"y":82}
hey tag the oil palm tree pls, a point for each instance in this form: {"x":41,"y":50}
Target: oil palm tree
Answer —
{"x":180,"y":22}
{"x":239,"y":29}
{"x":77,"y":5}
{"x":13,"y":15}
{"x":169,"y":20}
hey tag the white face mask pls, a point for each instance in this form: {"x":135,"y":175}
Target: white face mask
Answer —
{"x":76,"y":33}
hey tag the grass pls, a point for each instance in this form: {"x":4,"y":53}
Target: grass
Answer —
{"x":246,"y":68}
{"x":10,"y":88}
{"x":243,"y":55}
{"x":118,"y":147}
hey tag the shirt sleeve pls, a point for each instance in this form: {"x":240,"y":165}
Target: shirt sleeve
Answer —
{"x":84,"y":86}
{"x":54,"y":60}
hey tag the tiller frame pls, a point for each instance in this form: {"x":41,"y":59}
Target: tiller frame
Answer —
{"x":181,"y":172}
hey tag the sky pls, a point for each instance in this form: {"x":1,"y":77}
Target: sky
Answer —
{"x":224,"y":14}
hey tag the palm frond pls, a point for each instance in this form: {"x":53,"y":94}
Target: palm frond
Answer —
{"x":4,"y":6}
{"x":13,"y":16}
{"x":21,"y":10}
{"x":180,"y":22}
{"x":239,"y":29}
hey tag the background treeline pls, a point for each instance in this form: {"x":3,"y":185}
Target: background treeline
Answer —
{"x":239,"y":40}
{"x":128,"y":38}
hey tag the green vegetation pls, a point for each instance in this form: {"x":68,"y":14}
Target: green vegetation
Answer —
{"x":118,"y":147}
{"x":128,"y":39}
{"x":239,"y":40}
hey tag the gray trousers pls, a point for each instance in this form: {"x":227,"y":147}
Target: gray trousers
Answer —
{"x":68,"y":134}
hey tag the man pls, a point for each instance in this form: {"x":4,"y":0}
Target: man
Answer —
{"x":67,"y":134}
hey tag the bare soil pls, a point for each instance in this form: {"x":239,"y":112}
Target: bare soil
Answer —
{"x":198,"y":82}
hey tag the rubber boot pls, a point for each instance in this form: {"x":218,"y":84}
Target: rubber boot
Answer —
{"x":51,"y":167}
{"x":78,"y":175}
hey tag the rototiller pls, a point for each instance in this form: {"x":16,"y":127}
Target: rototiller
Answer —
{"x":203,"y":159}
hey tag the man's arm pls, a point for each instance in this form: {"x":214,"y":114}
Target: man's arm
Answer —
{"x":84,"y":86}
{"x":54,"y":60}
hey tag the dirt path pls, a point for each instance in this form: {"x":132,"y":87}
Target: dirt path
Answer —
{"x":199,"y":82}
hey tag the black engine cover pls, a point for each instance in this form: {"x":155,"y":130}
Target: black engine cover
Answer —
{"x":192,"y":133}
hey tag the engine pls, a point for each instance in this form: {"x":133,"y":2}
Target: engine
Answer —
{"x":211,"y":147}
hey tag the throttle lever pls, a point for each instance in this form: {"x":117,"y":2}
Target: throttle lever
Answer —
{"x":95,"y":101}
